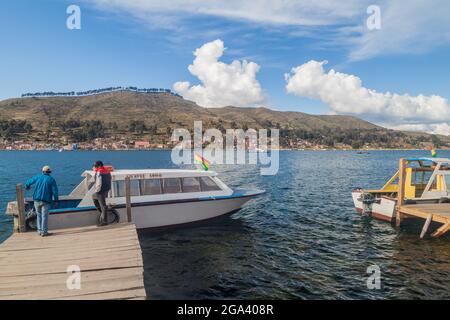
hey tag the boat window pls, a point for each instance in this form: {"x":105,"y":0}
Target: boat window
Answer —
{"x":171,"y":185}
{"x":120,"y":188}
{"x":208,"y":184}
{"x":151,"y":187}
{"x":421,"y":176}
{"x":191,"y":184}
{"x":427,"y":176}
{"x":134,"y":188}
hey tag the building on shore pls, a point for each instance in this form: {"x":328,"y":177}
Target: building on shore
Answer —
{"x":142,"y":145}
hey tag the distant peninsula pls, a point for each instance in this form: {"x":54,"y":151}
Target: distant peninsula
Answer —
{"x":121,"y":118}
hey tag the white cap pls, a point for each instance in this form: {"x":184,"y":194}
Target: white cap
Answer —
{"x":46,"y":169}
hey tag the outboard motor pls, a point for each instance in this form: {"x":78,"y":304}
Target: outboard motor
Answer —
{"x":367,"y":200}
{"x":113,"y":216}
{"x":31,"y":219}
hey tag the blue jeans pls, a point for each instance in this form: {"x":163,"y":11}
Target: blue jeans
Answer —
{"x":42,"y":209}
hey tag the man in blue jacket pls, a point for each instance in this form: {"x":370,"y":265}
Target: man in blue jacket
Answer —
{"x":44,"y":193}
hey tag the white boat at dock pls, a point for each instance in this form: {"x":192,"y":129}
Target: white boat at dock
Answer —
{"x":427,"y":180}
{"x":159,"y":198}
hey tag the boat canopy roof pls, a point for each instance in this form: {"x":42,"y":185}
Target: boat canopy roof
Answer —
{"x":425,"y":159}
{"x":153,"y":173}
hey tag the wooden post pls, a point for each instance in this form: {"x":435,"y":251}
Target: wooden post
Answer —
{"x":442,"y":230}
{"x":401,"y":190}
{"x":20,"y":208}
{"x":426,"y":226}
{"x":128,"y":197}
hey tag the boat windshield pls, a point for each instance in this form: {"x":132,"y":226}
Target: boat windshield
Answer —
{"x":208,"y":184}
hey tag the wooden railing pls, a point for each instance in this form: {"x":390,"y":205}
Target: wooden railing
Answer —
{"x":19,"y":210}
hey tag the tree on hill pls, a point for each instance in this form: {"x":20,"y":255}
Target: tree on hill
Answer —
{"x":12,"y":128}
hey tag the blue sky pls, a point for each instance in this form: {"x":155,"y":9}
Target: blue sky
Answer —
{"x":151,"y":44}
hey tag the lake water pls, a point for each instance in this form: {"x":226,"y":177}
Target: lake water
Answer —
{"x":301,"y":240}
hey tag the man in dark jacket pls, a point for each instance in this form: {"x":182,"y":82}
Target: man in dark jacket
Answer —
{"x":102,"y":180}
{"x":44,"y":193}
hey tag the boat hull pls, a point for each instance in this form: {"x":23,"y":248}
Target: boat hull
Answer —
{"x":383,"y":209}
{"x":72,"y":219}
{"x":154,"y":215}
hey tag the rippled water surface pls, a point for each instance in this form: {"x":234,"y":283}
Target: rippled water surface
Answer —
{"x":301,"y":240}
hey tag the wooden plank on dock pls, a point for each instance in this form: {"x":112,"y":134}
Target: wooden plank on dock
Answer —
{"x":440,"y":211}
{"x":437,"y":212}
{"x":109,"y":259}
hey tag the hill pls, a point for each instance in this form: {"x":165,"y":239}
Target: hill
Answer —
{"x":160,"y":109}
{"x":131,"y":115}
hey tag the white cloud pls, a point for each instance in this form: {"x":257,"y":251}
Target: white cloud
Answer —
{"x":222,"y":84}
{"x":441,"y":128}
{"x":438,"y":128}
{"x":413,"y":26}
{"x":345,"y":93}
{"x":305,"y":12}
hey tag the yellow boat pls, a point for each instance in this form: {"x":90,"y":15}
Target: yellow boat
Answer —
{"x":427,"y":180}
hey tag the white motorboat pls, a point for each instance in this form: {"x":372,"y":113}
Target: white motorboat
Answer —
{"x":159,"y":198}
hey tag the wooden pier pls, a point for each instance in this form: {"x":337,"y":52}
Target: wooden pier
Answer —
{"x":87,"y":263}
{"x":430,"y":212}
{"x":109,"y":261}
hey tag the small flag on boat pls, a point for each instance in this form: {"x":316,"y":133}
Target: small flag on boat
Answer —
{"x":433,"y":152}
{"x":205,"y":163}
